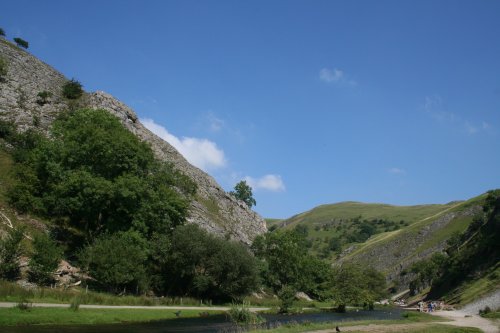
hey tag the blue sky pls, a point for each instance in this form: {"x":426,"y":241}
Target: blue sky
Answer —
{"x":312,"y":102}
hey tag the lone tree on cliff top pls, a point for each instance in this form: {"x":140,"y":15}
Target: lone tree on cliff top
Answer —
{"x":21,"y":42}
{"x":243,"y":191}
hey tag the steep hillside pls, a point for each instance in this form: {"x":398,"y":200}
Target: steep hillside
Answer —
{"x":27,"y":76}
{"x":395,"y":251}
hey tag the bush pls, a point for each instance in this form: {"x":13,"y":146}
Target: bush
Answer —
{"x":44,"y":260}
{"x":21,"y":42}
{"x":2,"y":32}
{"x":117,"y":262}
{"x":485,"y":311}
{"x":43,"y":97}
{"x":10,"y":252}
{"x":3,"y":68}
{"x":72,"y":89}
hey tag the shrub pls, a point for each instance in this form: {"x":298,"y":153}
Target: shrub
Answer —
{"x":72,"y":89}
{"x":3,"y":68}
{"x":43,"y":97}
{"x":485,"y":311}
{"x":44,"y":260}
{"x":10,"y":252}
{"x":117,"y":262}
{"x":2,"y":32}
{"x":21,"y":42}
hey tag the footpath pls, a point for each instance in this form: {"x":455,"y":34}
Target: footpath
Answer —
{"x":155,"y":307}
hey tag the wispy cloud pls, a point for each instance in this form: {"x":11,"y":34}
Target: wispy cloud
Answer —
{"x":436,"y":108}
{"x":215,"y":124}
{"x":396,"y":171}
{"x":335,"y":76}
{"x":202,"y":153}
{"x":272,"y":183}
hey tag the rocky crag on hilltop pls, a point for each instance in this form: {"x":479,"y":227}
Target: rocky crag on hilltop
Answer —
{"x":213,"y":209}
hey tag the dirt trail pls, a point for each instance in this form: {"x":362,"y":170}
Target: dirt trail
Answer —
{"x":464,"y":319}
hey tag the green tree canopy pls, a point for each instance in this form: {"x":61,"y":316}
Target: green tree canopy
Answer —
{"x":243,"y":191}
{"x":209,"y":267}
{"x":96,"y":176}
{"x":285,"y":262}
{"x":355,"y":285}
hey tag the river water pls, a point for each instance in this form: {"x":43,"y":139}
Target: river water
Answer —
{"x":212,"y":324}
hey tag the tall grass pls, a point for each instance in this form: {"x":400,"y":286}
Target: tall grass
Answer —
{"x":241,"y":314}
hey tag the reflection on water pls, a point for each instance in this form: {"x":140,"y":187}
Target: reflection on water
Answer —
{"x":212,"y":324}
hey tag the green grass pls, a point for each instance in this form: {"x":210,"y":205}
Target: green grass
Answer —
{"x":346,"y":210}
{"x":66,"y":316}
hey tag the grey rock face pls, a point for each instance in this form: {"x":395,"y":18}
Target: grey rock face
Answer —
{"x":213,"y":209}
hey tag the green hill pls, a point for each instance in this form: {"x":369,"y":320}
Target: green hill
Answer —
{"x":386,"y":237}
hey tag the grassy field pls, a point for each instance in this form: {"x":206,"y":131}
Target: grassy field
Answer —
{"x":61,"y":316}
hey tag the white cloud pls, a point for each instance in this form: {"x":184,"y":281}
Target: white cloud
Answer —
{"x":202,"y":153}
{"x":435,"y":107}
{"x":272,"y":183}
{"x":329,"y":75}
{"x":396,"y":171}
{"x":335,"y":76}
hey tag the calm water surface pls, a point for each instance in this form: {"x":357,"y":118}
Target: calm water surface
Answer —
{"x":213,"y":324}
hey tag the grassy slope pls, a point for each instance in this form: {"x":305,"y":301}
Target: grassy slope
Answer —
{"x":457,"y":225}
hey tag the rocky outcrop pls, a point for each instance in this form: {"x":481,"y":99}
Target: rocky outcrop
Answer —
{"x":213,"y":208}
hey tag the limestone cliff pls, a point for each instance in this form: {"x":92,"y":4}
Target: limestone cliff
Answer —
{"x":213,"y":208}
